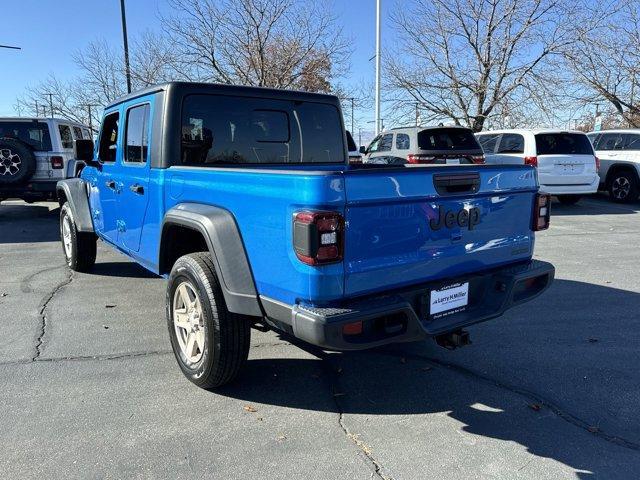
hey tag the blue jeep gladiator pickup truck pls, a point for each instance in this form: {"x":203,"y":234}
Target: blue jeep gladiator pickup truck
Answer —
{"x":243,"y":198}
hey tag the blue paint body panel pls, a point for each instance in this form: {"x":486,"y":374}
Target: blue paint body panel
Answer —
{"x":388,"y":240}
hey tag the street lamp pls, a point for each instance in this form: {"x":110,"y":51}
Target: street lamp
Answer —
{"x":127,"y":69}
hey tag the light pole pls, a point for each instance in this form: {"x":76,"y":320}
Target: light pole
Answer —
{"x":50,"y":102}
{"x":127,"y":70}
{"x":377,"y":110}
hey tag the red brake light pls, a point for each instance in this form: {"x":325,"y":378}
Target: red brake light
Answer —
{"x":317,"y":237}
{"x":541,"y":212}
{"x":57,"y":162}
{"x":478,"y":159}
{"x":533,"y":161}
{"x":597,"y":164}
{"x":413,"y":158}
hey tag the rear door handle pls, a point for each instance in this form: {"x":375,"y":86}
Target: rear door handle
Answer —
{"x":135,"y":188}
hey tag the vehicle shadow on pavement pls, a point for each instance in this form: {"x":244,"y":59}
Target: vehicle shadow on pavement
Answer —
{"x":594,"y":205}
{"x":24,"y":223}
{"x":542,"y":414}
{"x":123,"y":269}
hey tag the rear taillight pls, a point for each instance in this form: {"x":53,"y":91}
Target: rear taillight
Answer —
{"x":478,"y":159}
{"x":533,"y":161}
{"x":412,"y":158}
{"x":597,"y":164}
{"x":318,"y":237}
{"x":541,"y":212}
{"x":57,"y":162}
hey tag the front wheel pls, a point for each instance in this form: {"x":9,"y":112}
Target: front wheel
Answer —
{"x":210,"y":343}
{"x":569,"y":199}
{"x":623,"y":187}
{"x":79,"y":247}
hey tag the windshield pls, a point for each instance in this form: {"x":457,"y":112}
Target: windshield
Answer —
{"x":563,"y":144}
{"x":447,"y":139}
{"x":35,"y":134}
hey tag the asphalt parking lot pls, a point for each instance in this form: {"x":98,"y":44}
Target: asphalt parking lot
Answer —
{"x":89,"y":387}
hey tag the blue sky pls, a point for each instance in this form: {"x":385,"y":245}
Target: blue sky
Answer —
{"x":50,"y":31}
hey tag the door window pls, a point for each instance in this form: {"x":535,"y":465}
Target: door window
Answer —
{"x":66,"y":137}
{"x":109,"y":138}
{"x":488,"y":142}
{"x":511,"y":143}
{"x":137,"y":137}
{"x":402,"y":141}
{"x":385,"y":143}
{"x":632,"y":141}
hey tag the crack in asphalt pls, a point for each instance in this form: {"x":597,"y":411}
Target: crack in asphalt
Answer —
{"x":42,"y":308}
{"x":553,"y":407}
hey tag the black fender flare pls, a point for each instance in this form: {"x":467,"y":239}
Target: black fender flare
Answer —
{"x":74,"y":190}
{"x":222,"y":235}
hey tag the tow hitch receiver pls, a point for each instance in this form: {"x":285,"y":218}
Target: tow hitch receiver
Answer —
{"x":453,"y":340}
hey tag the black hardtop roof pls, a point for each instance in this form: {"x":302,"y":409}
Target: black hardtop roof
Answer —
{"x":186,"y":88}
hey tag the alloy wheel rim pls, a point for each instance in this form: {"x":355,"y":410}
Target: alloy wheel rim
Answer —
{"x":188,"y":322}
{"x":66,"y":236}
{"x":9,"y":162}
{"x":621,"y":187}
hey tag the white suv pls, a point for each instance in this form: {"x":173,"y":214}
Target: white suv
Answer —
{"x":566,"y":162}
{"x":35,"y":153}
{"x":619,"y":154}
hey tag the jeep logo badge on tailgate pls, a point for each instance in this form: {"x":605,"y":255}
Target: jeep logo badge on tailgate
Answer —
{"x":463,"y":218}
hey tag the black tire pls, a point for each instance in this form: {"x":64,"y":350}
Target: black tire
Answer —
{"x":569,"y":199}
{"x":226,"y":335}
{"x":81,"y":254}
{"x":623,"y":186}
{"x":17,"y":162}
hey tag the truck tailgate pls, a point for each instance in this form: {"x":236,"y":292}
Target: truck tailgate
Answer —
{"x":410,"y":225}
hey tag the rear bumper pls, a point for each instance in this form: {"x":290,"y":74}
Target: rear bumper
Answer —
{"x":29,"y":190}
{"x":403,"y":316}
{"x":571,"y":189}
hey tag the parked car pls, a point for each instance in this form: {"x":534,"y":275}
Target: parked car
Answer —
{"x":619,"y":154}
{"x":354,"y":152}
{"x":566,"y":163}
{"x":425,"y":145}
{"x":244,"y":199}
{"x":35,"y":153}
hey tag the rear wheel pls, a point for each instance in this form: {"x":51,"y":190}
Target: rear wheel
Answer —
{"x":210,"y":343}
{"x":623,"y":187}
{"x":79,"y":247}
{"x":569,"y":199}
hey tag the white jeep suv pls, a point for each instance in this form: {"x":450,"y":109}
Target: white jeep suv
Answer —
{"x":619,"y":154}
{"x":566,"y":162}
{"x":35,"y":153}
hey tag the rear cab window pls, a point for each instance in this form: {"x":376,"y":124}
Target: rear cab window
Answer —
{"x":448,"y":139}
{"x":34,"y":133}
{"x":563,"y":144}
{"x":221,"y":130}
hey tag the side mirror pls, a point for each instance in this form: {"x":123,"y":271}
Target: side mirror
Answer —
{"x":362,"y":149}
{"x":83,"y":150}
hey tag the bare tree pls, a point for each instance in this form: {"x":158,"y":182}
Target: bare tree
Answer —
{"x":271,"y":43}
{"x":604,"y":59}
{"x":468,"y":60}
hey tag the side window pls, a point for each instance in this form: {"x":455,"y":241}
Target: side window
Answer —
{"x":373,"y":146}
{"x":109,"y":138}
{"x":402,"y":141}
{"x":65,"y":136}
{"x":385,"y":143}
{"x":488,"y":142}
{"x":511,"y":143}
{"x":137,"y":137}
{"x":86,"y":134}
{"x":594,"y":138}
{"x":632,"y":142}
{"x":77,"y":133}
{"x":610,"y":141}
